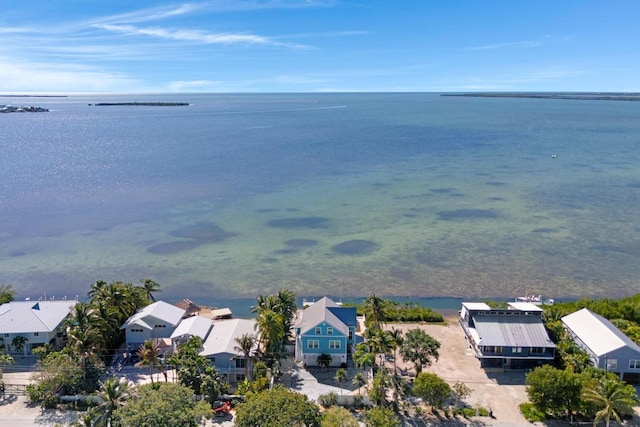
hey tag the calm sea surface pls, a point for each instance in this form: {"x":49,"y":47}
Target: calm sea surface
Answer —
{"x":408,"y":195}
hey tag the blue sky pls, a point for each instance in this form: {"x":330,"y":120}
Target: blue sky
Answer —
{"x":125,"y":46}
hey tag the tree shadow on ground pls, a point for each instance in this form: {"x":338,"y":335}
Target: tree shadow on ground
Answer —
{"x":326,"y":376}
{"x":508,"y":377}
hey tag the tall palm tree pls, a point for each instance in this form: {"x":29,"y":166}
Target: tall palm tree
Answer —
{"x":245,"y":344}
{"x":150,"y":287}
{"x":613,"y":397}
{"x":363,"y":358}
{"x":148,"y":354}
{"x":84,"y":335}
{"x":375,"y":312}
{"x":397,"y":338}
{"x":341,"y":376}
{"x":113,"y":395}
{"x":380,"y":343}
{"x":359,"y":381}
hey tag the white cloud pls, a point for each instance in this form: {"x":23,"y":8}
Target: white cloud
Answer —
{"x":512,"y":45}
{"x":31,"y":77}
{"x":197,"y":36}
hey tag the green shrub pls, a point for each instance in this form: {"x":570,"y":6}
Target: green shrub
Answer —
{"x":531,"y":413}
{"x":327,"y":400}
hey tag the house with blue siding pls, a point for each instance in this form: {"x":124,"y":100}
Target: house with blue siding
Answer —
{"x":325,"y":327}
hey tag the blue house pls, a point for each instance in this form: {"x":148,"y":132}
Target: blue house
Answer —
{"x":325,"y":327}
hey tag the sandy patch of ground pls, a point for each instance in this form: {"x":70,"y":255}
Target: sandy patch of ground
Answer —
{"x":501,"y":393}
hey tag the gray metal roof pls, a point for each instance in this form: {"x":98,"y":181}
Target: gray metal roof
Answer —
{"x":597,"y":333}
{"x":512,"y":331}
{"x":19,"y":317}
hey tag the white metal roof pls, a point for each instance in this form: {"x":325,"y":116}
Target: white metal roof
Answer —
{"x":476,"y":306}
{"x":19,"y":317}
{"x":524,"y":306}
{"x":597,"y":333}
{"x":160,"y":310}
{"x":222,"y":338}
{"x":193,"y":326}
{"x":319,"y":312}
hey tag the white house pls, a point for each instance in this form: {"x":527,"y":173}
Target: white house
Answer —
{"x":157,"y":320}
{"x":38,"y":322}
{"x":607,"y":346}
{"x":220,"y":345}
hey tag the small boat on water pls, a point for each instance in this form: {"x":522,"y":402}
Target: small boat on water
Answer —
{"x":535,"y":299}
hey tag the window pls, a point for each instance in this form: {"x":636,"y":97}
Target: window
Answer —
{"x":161,"y":326}
{"x":634,"y":364}
{"x":136,"y":330}
{"x":516,"y":349}
{"x":329,"y":330}
{"x":239,"y":378}
{"x":318,"y":330}
{"x":6,"y":335}
{"x":35,"y":334}
{"x":537,"y":350}
{"x":499,"y":349}
{"x":350,"y":334}
{"x":334,"y":344}
{"x":612,"y":364}
{"x":313,"y":344}
{"x":239,"y":363}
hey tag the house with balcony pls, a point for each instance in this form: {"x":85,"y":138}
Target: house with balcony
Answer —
{"x":220,"y":347}
{"x":25,"y":325}
{"x":325,"y":327}
{"x":511,"y":338}
{"x":607,"y":346}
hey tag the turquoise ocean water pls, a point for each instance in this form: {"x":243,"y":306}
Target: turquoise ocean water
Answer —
{"x":407,"y":195}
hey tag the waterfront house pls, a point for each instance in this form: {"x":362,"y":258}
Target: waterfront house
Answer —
{"x":325,"y":327}
{"x":220,"y":347}
{"x":511,"y":338}
{"x":606,"y":345}
{"x":25,"y":325}
{"x":157,"y":320}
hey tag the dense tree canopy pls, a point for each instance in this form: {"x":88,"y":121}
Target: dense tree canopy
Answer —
{"x":161,"y":405}
{"x":277,"y":407}
{"x":433,"y":389}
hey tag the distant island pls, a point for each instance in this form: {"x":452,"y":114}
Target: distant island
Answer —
{"x":151,"y":104}
{"x":21,"y":109}
{"x":583,"y":96}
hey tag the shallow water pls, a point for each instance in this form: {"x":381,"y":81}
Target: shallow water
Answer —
{"x":339,"y":194}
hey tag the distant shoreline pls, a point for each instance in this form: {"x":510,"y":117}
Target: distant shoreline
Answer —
{"x":573,"y":96}
{"x":151,"y":104}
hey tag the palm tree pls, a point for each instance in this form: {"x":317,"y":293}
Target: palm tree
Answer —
{"x":113,"y":396}
{"x":397,"y":338}
{"x":363,"y":357}
{"x":150,"y":287}
{"x":341,"y":376}
{"x":85,"y":338}
{"x":148,"y":354}
{"x":358,"y":381}
{"x":375,"y":312}
{"x":324,"y":360}
{"x":245,"y":344}
{"x":380,"y":343}
{"x":613,"y":397}
{"x":271,"y":331}
{"x":19,"y":343}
